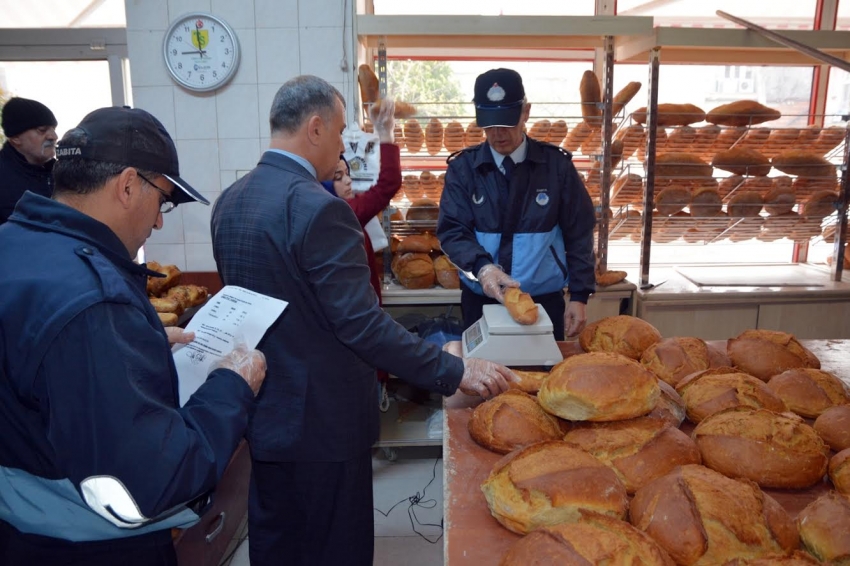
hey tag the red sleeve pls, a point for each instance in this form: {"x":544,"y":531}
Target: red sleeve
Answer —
{"x":367,"y":205}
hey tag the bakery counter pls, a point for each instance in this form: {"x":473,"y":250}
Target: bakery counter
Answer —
{"x":473,"y":537}
{"x":718,"y":301}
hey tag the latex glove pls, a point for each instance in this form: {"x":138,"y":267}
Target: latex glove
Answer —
{"x":485,"y":378}
{"x":249,"y":364}
{"x":493,"y":280}
{"x":177,"y":335}
{"x":383,"y":120}
{"x":575,"y":317}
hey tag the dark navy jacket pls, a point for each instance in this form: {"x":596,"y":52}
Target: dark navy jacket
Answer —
{"x":540,"y":229}
{"x":278,"y":232}
{"x":18,"y":176}
{"x":92,"y":443}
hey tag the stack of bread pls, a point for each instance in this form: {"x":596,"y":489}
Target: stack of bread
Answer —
{"x":604,"y":425}
{"x":168,"y":297}
{"x":418,"y":261}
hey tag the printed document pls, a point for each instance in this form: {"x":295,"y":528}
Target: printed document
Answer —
{"x":233,"y":315}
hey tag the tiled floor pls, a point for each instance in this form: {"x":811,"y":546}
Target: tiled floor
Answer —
{"x":416,"y":476}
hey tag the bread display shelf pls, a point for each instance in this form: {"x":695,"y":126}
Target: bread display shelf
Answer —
{"x":472,"y":535}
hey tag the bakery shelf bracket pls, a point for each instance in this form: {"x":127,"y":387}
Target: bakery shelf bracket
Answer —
{"x":649,"y":191}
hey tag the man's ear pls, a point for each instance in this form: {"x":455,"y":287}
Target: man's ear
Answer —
{"x":125,"y":186}
{"x":315,"y":129}
{"x":526,"y":112}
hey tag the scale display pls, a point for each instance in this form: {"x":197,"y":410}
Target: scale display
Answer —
{"x":499,"y":338}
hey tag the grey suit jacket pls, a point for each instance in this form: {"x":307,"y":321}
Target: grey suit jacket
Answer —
{"x":276,"y":231}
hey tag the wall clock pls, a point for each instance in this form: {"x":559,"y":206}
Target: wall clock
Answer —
{"x":201,"y":51}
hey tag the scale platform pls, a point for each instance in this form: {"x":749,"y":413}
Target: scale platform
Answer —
{"x":499,"y":338}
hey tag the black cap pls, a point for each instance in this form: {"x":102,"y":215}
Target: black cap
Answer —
{"x":22,"y":114}
{"x":131,"y":137}
{"x":499,"y":97}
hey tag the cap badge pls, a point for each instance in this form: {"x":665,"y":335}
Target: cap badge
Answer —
{"x":496,"y":93}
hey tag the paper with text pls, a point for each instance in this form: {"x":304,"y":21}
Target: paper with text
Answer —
{"x":233,"y":312}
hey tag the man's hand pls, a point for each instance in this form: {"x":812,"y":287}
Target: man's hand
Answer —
{"x":493,"y":281}
{"x":177,"y":335}
{"x":485,"y":378}
{"x":383,"y":120}
{"x":249,"y":364}
{"x":575,"y":317}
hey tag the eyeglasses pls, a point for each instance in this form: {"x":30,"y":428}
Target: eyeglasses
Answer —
{"x":166,"y":205}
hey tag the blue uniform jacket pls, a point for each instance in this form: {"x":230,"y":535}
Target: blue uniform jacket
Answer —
{"x":92,"y":443}
{"x":278,"y":232}
{"x":540,"y":229}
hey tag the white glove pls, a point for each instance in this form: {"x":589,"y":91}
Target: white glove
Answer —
{"x":383,"y":120}
{"x":485,"y":378}
{"x":493,"y":280}
{"x":249,"y":364}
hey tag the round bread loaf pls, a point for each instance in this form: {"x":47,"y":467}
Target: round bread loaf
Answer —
{"x":672,"y":359}
{"x":679,"y":164}
{"x":414,"y":271}
{"x":839,"y":471}
{"x":548,"y":483}
{"x":512,"y":420}
{"x":796,"y":558}
{"x":742,"y":161}
{"x":670,"y":407}
{"x":743,"y":204}
{"x":717,"y":357}
{"x":825,"y":528}
{"x":672,"y":199}
{"x":702,"y":518}
{"x":834,"y":427}
{"x":706,"y":201}
{"x":594,"y":539}
{"x":808,"y":391}
{"x":780,"y":199}
{"x":446,"y":273}
{"x":770,"y":449}
{"x":765,"y":353}
{"x":820,"y":204}
{"x":638,"y":450}
{"x":599,"y":386}
{"x":423,"y":210}
{"x":415,"y":243}
{"x":718,"y":389}
{"x":622,"y":334}
{"x":529,"y":381}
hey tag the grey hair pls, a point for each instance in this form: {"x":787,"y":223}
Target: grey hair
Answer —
{"x":299,"y":99}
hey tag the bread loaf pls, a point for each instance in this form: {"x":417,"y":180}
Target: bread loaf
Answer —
{"x":780,"y":140}
{"x":626,"y":335}
{"x":168,"y":318}
{"x":825,"y":528}
{"x":156,"y":286}
{"x":706,"y":202}
{"x":742,"y":161}
{"x":833,"y":425}
{"x":520,"y":306}
{"x":779,"y":199}
{"x":414,"y":271}
{"x":188,"y":295}
{"x":703,"y":518}
{"x":727,"y":138}
{"x":820,"y":204}
{"x":434,"y":136}
{"x":474,"y":134}
{"x":512,"y":420}
{"x":609,"y":278}
{"x":627,"y":189}
{"x":730,"y":185}
{"x":672,"y":115}
{"x":446,"y":273}
{"x":594,"y":539}
{"x":681,"y":139}
{"x":591,"y":98}
{"x":672,"y":199}
{"x":529,"y":381}
{"x":718,"y":389}
{"x":577,"y":136}
{"x":809,"y":392}
{"x":744,"y":204}
{"x":540,"y":130}
{"x":600,"y":386}
{"x":369,"y":85}
{"x":624,"y":96}
{"x":402,"y":110}
{"x":755,"y":138}
{"x":453,"y":136}
{"x":557,"y":132}
{"x":632,"y":136}
{"x":413,"y":136}
{"x":638,"y":450}
{"x":829,"y":139}
{"x":681,"y":165}
{"x":415,"y":243}
{"x":742,"y":113}
{"x":548,"y":483}
{"x":839,"y":471}
{"x":803,"y":162}
{"x":423,"y":210}
{"x":796,"y":558}
{"x":593,"y":143}
{"x":765,"y":353}
{"x":704,"y":141}
{"x":671,"y":359}
{"x":773,"y":450}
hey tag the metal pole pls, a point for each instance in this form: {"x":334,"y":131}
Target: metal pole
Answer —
{"x":841,"y":222}
{"x":649,"y":186}
{"x":382,"y":67}
{"x":607,"y":134}
{"x":788,"y":42}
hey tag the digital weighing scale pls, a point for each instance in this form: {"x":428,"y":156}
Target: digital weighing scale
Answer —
{"x":499,"y":338}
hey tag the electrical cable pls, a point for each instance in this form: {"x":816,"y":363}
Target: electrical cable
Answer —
{"x":418,"y":500}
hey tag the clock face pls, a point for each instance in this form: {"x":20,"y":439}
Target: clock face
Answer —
{"x":201,"y":52}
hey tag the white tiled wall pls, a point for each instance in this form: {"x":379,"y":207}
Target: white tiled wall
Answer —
{"x":221,"y":135}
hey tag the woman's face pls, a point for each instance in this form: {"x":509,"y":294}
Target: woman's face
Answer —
{"x":342,"y":182}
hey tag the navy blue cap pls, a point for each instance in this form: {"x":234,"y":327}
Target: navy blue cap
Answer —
{"x":499,"y":98}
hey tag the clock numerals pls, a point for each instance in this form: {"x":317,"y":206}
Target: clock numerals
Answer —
{"x":194,"y":58}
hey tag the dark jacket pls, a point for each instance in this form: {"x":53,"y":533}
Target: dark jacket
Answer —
{"x":88,"y":388}
{"x":540,"y":229}
{"x":18,"y":176}
{"x":276,"y":231}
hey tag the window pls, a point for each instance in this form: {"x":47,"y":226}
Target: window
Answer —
{"x":486,"y":7}
{"x":62,"y":14}
{"x":774,"y":14}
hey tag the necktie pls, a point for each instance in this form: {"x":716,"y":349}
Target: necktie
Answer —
{"x":508,"y":165}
